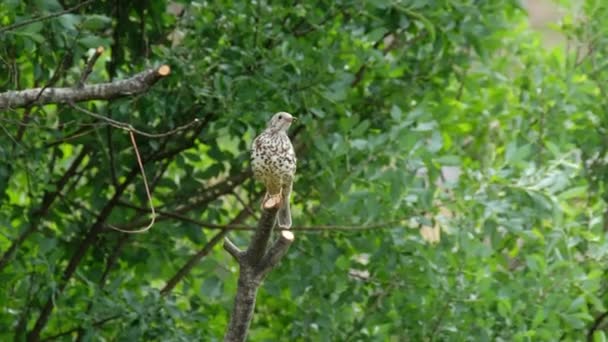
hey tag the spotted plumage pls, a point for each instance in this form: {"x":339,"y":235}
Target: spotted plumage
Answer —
{"x":273,"y":161}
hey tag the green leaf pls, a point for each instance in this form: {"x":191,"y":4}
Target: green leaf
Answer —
{"x":96,"y":22}
{"x":599,"y":336}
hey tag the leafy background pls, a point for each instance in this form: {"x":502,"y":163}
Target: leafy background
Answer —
{"x":459,"y":158}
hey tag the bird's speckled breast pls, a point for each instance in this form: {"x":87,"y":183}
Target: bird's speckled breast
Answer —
{"x":273,"y":159}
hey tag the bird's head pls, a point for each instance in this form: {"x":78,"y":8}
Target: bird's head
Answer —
{"x":281,"y":121}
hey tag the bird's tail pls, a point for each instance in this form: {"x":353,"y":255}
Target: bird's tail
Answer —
{"x":284,"y":216}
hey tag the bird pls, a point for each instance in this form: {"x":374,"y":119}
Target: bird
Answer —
{"x":273,"y":162}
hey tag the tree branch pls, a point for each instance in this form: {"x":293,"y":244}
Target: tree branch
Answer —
{"x":254,"y":264}
{"x":77,"y":257}
{"x":44,"y":17}
{"x":103,"y":91}
{"x":164,"y":215}
{"x":87,"y":242}
{"x":209,"y":194}
{"x":47,"y":200}
{"x":195,"y":259}
{"x":595,"y":326}
{"x":130,"y":128}
{"x":259,"y":241}
{"x":232,"y":249}
{"x":89,"y":68}
{"x":277,"y":251}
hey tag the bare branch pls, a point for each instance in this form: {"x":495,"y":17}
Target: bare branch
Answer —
{"x":195,"y":259}
{"x":597,"y":322}
{"x":259,"y":241}
{"x":143,"y":175}
{"x":254,"y":264}
{"x":207,"y":195}
{"x":130,"y":128}
{"x":277,"y":251}
{"x":103,"y":91}
{"x":346,"y":228}
{"x":47,"y":200}
{"x":231,"y":248}
{"x":163,"y":215}
{"x":89,"y":68}
{"x":244,"y":303}
{"x":44,"y":17}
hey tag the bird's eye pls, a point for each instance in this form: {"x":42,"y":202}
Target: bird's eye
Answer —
{"x":280,"y":117}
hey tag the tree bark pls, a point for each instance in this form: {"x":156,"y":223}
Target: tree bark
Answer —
{"x":103,"y":91}
{"x":244,"y":304}
{"x":254,"y":265}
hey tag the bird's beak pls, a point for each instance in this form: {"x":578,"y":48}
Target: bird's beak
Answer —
{"x":293,"y":119}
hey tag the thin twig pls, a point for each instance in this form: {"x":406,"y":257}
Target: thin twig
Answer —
{"x":202,"y":199}
{"x":143,"y":174}
{"x":89,"y":68}
{"x":595,"y":326}
{"x":231,"y":248}
{"x":130,"y":128}
{"x":245,"y":205}
{"x":242,"y":227}
{"x":73,"y":330}
{"x":196,"y":258}
{"x":44,"y":17}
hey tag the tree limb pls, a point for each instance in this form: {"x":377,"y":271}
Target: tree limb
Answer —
{"x":70,"y":269}
{"x":47,"y":200}
{"x":89,"y":68}
{"x":232,"y":249}
{"x":44,"y":17}
{"x":103,"y":91}
{"x":259,"y":241}
{"x":205,"y":197}
{"x":595,"y":326}
{"x":195,"y":259}
{"x":88,"y":241}
{"x":255,"y":263}
{"x":277,"y":251}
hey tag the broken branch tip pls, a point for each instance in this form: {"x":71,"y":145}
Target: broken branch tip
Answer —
{"x":164,"y":70}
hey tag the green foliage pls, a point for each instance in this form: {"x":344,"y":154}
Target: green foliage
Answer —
{"x":448,"y":117}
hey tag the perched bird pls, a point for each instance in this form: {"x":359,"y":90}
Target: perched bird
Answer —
{"x":273,"y":161}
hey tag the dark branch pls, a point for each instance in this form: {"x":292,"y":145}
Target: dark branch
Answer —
{"x":129,"y":127}
{"x":596,"y":324}
{"x":195,"y":259}
{"x":164,"y":215}
{"x":73,"y":330}
{"x":276,"y":252}
{"x":77,"y":257}
{"x":47,"y":200}
{"x":232,"y":249}
{"x":89,"y":68}
{"x":259,"y":241}
{"x":44,"y":17}
{"x":207,"y":195}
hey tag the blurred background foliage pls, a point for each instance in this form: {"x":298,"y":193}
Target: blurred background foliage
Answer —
{"x":462,"y":161}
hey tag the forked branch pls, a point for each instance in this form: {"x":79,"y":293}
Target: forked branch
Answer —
{"x":254,"y":263}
